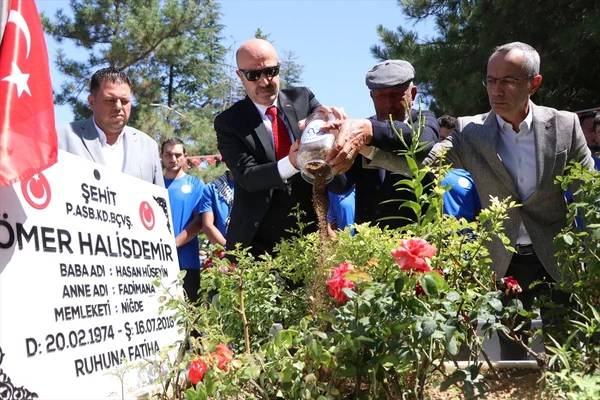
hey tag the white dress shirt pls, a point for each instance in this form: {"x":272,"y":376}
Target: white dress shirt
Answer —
{"x":113,"y":154}
{"x":517,"y":152}
{"x":284,"y":166}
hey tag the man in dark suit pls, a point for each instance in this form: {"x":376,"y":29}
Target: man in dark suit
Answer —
{"x":379,"y":194}
{"x":105,"y":138}
{"x":257,"y":139}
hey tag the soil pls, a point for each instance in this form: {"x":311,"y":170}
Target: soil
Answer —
{"x":320,"y":200}
{"x":321,"y":205}
{"x":512,"y":384}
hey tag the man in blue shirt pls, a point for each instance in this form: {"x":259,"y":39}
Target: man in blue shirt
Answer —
{"x":185,"y":192}
{"x":215,"y":207}
{"x":341,"y":209}
{"x":461,"y":199}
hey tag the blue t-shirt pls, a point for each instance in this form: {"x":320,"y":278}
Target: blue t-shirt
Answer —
{"x":461,"y":200}
{"x":342,"y":208}
{"x":184,"y":195}
{"x":218,"y":199}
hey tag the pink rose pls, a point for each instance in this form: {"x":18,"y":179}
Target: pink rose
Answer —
{"x":411,"y":254}
{"x":224,"y":356}
{"x":338,"y":282}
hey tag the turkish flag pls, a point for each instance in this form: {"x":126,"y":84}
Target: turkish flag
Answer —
{"x":27,"y":129}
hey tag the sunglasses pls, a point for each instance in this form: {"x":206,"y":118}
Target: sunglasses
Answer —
{"x":253,"y":75}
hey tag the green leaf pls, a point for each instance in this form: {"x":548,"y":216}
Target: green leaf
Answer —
{"x":349,"y":293}
{"x":568,"y":239}
{"x":448,"y":331}
{"x":495,"y":304}
{"x":285,"y":338}
{"x":452,"y":346}
{"x":398,"y":285}
{"x":365,"y":339}
{"x":429,"y":326}
{"x":433,"y":283}
{"x":453,"y":296}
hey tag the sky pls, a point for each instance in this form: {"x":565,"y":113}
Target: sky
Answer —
{"x":330,"y":38}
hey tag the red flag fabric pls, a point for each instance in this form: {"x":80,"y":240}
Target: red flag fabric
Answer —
{"x":27,"y":130}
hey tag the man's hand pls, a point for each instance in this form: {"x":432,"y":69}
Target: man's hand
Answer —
{"x":353,"y":134}
{"x":338,"y":113}
{"x":293,"y":155}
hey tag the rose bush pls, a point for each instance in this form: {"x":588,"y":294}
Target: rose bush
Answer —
{"x":394,"y":307}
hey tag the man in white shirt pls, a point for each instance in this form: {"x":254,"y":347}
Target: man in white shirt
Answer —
{"x":105,"y":138}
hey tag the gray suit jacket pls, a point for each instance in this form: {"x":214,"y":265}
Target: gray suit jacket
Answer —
{"x":558,"y":140}
{"x":142,"y":159}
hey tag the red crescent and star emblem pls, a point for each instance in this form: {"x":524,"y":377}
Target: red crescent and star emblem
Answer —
{"x":27,"y":110}
{"x":147,"y":215}
{"x":36,"y":191}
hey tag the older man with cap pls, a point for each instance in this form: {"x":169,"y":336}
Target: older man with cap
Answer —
{"x":393,"y":92}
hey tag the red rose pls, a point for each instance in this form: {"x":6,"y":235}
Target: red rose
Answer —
{"x":338,"y":282}
{"x":224,"y":356}
{"x":512,"y":285}
{"x":219,"y":253}
{"x":197,"y":370}
{"x":411,"y":254}
{"x":419,"y":289}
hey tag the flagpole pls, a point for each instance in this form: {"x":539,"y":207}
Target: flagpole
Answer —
{"x":3,"y":16}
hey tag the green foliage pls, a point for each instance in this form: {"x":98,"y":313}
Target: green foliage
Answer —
{"x":290,"y":72}
{"x":575,"y":363}
{"x":170,"y":49}
{"x":392,"y":336}
{"x":451,"y":64}
{"x":398,"y":327}
{"x":209,"y":174}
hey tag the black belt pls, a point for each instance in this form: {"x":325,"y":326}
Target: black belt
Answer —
{"x":525,"y":249}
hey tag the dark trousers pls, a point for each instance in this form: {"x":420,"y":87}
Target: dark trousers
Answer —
{"x":191,"y":284}
{"x":555,"y":306}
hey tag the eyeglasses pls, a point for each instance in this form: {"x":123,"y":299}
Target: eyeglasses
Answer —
{"x":507,"y":81}
{"x":253,"y":75}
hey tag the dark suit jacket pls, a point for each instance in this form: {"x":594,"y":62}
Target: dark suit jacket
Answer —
{"x":247,"y":148}
{"x":385,"y":138}
{"x":378,"y":199}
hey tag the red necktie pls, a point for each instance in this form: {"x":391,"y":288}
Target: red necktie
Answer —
{"x":281,"y":137}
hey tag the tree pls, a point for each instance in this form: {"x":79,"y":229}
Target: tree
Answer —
{"x":170,"y":49}
{"x":290,"y":72}
{"x":452,"y":64}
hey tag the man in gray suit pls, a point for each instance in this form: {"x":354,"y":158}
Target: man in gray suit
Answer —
{"x":105,"y":138}
{"x":516,"y":150}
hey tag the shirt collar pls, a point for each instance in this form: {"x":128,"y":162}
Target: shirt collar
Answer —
{"x":263,"y":109}
{"x":526,"y":123}
{"x":102,"y":135}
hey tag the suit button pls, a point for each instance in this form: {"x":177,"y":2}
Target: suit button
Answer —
{"x":256,"y":224}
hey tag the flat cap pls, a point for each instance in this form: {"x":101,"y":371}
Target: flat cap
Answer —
{"x":389,"y":73}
